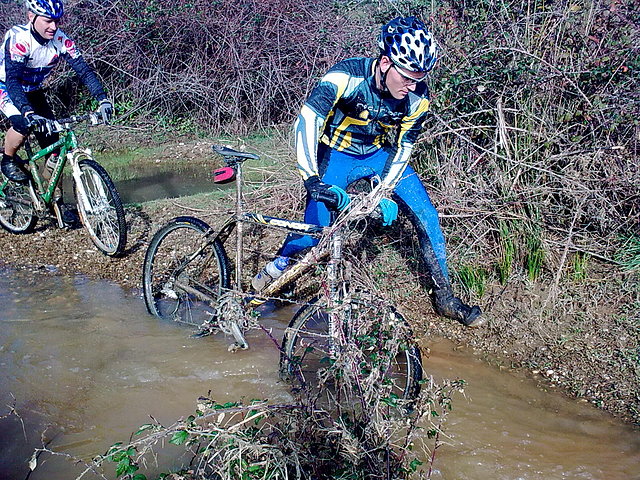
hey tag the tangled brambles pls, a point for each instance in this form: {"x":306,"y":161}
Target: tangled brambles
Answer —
{"x":361,"y":411}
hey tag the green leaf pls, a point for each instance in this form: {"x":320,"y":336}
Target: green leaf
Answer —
{"x":112,"y":449}
{"x":139,"y":476}
{"x":144,"y":428}
{"x":415,"y":463}
{"x":123,"y":466}
{"x":179,"y":437}
{"x":392,"y":402}
{"x":117,"y":457}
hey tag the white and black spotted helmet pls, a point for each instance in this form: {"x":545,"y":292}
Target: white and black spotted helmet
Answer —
{"x":46,"y":8}
{"x":409,"y":44}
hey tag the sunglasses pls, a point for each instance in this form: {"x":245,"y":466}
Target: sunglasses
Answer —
{"x":409,"y":80}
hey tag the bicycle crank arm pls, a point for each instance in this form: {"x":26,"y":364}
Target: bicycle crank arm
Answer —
{"x":193,"y":291}
{"x":241,"y":342}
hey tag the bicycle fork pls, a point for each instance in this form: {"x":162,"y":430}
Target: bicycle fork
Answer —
{"x":333,"y":293}
{"x":74,"y":159}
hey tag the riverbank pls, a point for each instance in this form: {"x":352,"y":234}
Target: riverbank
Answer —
{"x":580,"y":335}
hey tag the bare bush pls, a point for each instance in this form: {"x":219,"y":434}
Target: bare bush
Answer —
{"x":231,"y":66}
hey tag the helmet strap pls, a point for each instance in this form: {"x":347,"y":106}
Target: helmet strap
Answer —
{"x":383,"y":76}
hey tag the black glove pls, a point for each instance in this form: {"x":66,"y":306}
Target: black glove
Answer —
{"x":331,"y":195}
{"x":38,"y":123}
{"x":105,"y":109}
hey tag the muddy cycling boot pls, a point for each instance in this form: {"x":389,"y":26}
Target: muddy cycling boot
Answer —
{"x":452,"y":307}
{"x":12,"y":170}
{"x":444,"y":301}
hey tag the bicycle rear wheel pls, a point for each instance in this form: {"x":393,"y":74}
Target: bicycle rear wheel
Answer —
{"x":184,"y":272}
{"x":381,"y":346}
{"x":17,"y":214}
{"x":101,"y":209}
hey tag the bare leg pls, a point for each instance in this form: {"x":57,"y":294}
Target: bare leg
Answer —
{"x":12,"y":142}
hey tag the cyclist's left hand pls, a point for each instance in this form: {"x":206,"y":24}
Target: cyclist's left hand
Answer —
{"x":332,"y":195}
{"x":105,"y":109}
{"x":389,"y":210}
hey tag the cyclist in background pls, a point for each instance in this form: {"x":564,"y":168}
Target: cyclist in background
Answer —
{"x":362,"y":120}
{"x":29,"y":53}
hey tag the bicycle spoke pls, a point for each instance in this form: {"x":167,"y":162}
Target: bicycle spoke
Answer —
{"x":101,"y":209}
{"x":184,"y":274}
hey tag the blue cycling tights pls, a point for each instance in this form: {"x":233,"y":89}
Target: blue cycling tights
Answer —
{"x":342,"y":170}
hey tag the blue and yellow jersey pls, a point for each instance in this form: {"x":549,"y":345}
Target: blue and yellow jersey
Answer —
{"x":347,"y":112}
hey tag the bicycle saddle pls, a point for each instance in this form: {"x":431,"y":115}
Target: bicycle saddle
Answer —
{"x":230,"y":152}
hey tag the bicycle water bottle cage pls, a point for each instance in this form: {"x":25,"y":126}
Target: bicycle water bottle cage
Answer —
{"x":224,"y":175}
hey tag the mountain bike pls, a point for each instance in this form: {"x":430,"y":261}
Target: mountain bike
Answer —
{"x":99,"y":205}
{"x":188,"y":277}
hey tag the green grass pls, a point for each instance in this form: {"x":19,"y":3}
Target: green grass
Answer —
{"x":579,"y":264}
{"x":474,"y":279}
{"x":629,"y":253}
{"x":507,"y":252}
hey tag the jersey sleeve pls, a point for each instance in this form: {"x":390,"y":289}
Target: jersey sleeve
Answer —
{"x":410,"y":128}
{"x":313,"y":115}
{"x":70,"y":52}
{"x":16,"y":55}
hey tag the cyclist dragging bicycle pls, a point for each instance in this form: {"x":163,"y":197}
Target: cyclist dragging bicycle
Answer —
{"x":29,"y":53}
{"x":342,"y":135}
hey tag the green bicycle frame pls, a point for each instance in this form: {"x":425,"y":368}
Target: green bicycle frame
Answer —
{"x":65,"y":144}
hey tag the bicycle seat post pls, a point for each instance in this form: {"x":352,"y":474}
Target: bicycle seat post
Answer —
{"x":239,"y":224}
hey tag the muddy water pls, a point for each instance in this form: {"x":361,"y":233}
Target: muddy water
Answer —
{"x":83,"y":363}
{"x":148,"y":183}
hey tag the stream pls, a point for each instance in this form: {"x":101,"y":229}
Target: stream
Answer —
{"x":82,"y":365}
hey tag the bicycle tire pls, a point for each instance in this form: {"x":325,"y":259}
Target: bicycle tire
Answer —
{"x":17,"y":214}
{"x":101,"y":212}
{"x":180,"y":263}
{"x":306,"y":350}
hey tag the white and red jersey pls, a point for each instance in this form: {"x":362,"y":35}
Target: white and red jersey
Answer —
{"x":38,"y":59}
{"x":27,"y":60}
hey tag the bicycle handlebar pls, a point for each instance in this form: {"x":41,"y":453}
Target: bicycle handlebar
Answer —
{"x":328,"y":198}
{"x":65,"y":123}
{"x":60,"y":124}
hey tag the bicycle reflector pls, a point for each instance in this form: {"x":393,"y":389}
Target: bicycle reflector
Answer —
{"x":224,"y":175}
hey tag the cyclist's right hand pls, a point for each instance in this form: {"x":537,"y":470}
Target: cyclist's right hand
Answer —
{"x":332,"y":195}
{"x":105,"y":110}
{"x":38,"y":123}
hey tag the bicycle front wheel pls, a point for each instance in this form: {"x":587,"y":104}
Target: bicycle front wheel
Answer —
{"x":379,"y":342}
{"x":184,"y":272}
{"x":17,"y":214}
{"x":100,"y":208}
